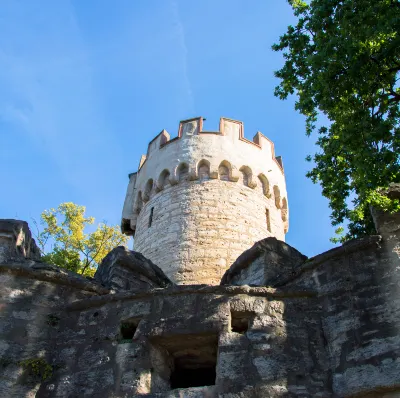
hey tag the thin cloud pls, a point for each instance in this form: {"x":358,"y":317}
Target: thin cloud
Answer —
{"x":184,"y":51}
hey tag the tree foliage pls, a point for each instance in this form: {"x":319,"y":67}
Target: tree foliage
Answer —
{"x":342,"y":59}
{"x":72,"y":248}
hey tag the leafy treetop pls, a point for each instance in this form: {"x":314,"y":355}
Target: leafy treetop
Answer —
{"x":72,"y":248}
{"x":342,"y":59}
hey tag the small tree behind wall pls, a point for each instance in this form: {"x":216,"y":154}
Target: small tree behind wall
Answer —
{"x":71,"y":247}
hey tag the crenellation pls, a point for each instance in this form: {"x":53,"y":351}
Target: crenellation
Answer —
{"x":142,"y":161}
{"x":157,"y":142}
{"x":190,"y":127}
{"x":229,"y":128}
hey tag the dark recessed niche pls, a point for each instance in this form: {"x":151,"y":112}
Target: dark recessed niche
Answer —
{"x":128,"y":328}
{"x":197,"y":375}
{"x":192,"y":359}
{"x":240,"y":321}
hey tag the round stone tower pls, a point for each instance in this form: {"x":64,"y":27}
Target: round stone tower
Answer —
{"x":199,"y":200}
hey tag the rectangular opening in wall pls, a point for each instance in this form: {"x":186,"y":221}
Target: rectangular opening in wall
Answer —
{"x":151,"y":217}
{"x":240,"y":321}
{"x":268,"y":220}
{"x":128,"y":329}
{"x":191,"y":371}
{"x":192,"y":358}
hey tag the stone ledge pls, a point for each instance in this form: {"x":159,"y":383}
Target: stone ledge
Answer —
{"x":143,"y":273}
{"x":275,"y":253}
{"x":347,"y":248}
{"x":180,"y":290}
{"x":50,"y":273}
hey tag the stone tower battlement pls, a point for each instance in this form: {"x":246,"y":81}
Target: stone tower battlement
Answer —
{"x":200,"y":199}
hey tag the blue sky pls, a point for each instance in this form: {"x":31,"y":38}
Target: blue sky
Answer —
{"x":85,"y":85}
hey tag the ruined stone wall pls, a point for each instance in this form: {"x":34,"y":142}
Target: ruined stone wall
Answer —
{"x":358,"y":295}
{"x":358,"y":286}
{"x":254,"y":342}
{"x":325,"y":327}
{"x":200,"y":200}
{"x":31,"y":302}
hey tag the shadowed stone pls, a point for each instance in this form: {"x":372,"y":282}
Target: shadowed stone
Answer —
{"x":124,"y":269}
{"x":264,"y":264}
{"x":16,"y":242}
{"x":322,"y":327}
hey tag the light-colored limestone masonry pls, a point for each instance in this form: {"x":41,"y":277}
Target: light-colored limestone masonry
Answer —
{"x":199,"y":200}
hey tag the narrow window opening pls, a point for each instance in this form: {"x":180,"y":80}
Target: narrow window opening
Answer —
{"x":151,"y":217}
{"x":128,"y":328}
{"x":240,"y":322}
{"x":268,"y":219}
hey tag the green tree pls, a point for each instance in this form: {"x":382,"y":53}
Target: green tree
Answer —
{"x":72,"y":248}
{"x":342,"y":60}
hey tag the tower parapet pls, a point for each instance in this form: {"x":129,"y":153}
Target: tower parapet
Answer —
{"x":199,"y":200}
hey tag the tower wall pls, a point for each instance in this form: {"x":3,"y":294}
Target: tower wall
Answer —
{"x":199,"y":200}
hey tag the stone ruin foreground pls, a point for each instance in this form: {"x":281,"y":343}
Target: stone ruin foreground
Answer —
{"x":219,"y":315}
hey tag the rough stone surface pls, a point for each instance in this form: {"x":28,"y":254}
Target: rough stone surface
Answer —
{"x":264,"y":264}
{"x":124,"y":269}
{"x":329,"y":326}
{"x":360,"y":317}
{"x":16,"y":242}
{"x":32,"y":296}
{"x":198,"y":201}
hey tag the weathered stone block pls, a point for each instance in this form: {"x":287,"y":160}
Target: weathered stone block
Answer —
{"x":16,"y":242}
{"x":124,"y":269}
{"x":265,"y":264}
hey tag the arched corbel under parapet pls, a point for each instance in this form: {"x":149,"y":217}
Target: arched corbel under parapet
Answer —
{"x":226,"y":172}
{"x":284,"y":214}
{"x":203,"y":170}
{"x":265,"y":185}
{"x":247,"y":175}
{"x":277,"y":196}
{"x":148,"y":190}
{"x":163,"y":180}
{"x":284,"y":210}
{"x":223,"y":171}
{"x":182,"y":172}
{"x":138,"y":203}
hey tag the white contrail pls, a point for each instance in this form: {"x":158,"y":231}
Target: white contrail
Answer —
{"x":182,"y":43}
